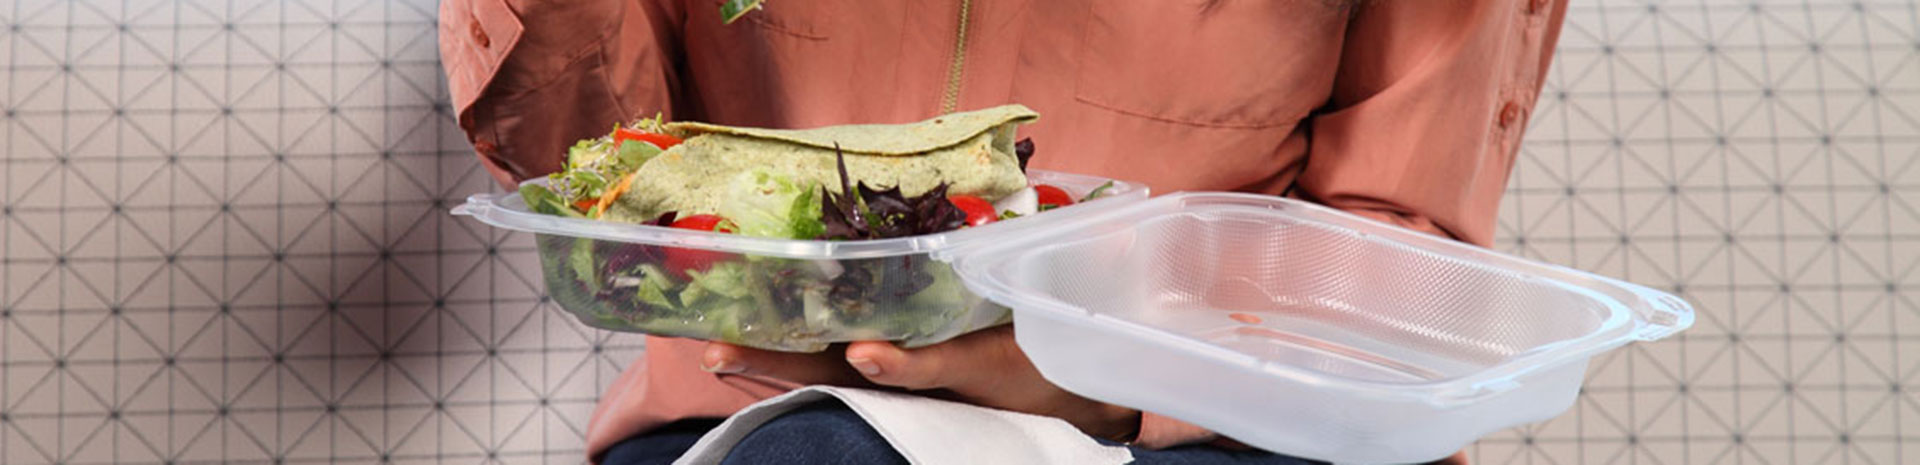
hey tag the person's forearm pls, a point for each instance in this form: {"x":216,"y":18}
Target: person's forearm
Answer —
{"x":1427,"y":112}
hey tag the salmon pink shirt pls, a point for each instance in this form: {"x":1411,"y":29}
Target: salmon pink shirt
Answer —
{"x":1407,"y":111}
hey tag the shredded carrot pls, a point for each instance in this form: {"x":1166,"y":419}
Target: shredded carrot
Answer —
{"x":606,"y":199}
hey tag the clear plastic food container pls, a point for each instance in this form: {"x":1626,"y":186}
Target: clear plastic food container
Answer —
{"x":1304,"y":330}
{"x":777,"y":294}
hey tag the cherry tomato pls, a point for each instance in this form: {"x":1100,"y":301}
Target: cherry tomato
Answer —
{"x":662,"y":141}
{"x":704,"y":223}
{"x":1054,"y":196}
{"x":680,"y":260}
{"x":979,"y":212}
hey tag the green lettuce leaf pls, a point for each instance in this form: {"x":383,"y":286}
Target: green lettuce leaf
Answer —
{"x":762,"y":203}
{"x":654,"y":286}
{"x":580,"y":258}
{"x":803,"y":217}
{"x":726,"y":280}
{"x":634,"y":153}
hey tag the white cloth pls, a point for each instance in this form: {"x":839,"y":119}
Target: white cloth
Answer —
{"x":926,"y":431}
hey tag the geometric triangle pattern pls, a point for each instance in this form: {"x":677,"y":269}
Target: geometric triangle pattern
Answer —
{"x":1761,"y":159}
{"x":224,"y":238}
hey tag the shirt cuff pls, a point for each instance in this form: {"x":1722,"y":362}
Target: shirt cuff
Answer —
{"x":475,"y":37}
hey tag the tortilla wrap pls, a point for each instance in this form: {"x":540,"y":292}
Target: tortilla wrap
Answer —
{"x":970,"y":151}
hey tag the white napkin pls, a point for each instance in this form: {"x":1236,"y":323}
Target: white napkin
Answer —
{"x":926,"y":431}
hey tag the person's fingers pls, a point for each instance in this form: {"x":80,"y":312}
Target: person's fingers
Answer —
{"x":882,"y":364}
{"x":986,"y":368}
{"x":827,"y":367}
{"x":968,"y":365}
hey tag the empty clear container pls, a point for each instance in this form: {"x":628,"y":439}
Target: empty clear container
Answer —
{"x":777,"y":294}
{"x":1305,"y":330}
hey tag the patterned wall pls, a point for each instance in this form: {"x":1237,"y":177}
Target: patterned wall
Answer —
{"x":223,"y":239}
{"x":226,"y":240}
{"x":1763,"y":159}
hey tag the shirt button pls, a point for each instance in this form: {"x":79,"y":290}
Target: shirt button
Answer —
{"x":1511,"y":115}
{"x":479,"y":35}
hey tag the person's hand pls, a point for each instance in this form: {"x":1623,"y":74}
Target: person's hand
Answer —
{"x":983,"y":368}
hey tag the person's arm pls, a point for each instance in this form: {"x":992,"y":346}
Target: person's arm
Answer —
{"x":1427,"y":111}
{"x":530,"y":77}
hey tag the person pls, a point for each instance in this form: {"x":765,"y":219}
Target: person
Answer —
{"x":1409,"y":112}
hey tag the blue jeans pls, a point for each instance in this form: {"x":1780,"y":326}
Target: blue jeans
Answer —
{"x":830,"y":433}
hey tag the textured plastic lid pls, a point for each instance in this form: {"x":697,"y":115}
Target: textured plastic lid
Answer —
{"x":1285,"y":324}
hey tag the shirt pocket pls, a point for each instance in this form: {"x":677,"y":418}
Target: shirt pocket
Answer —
{"x":809,"y":19}
{"x":1216,"y":63}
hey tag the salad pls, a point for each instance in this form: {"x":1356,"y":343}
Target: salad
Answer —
{"x":773,"y":302}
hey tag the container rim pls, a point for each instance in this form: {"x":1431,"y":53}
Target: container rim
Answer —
{"x":509,"y":211}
